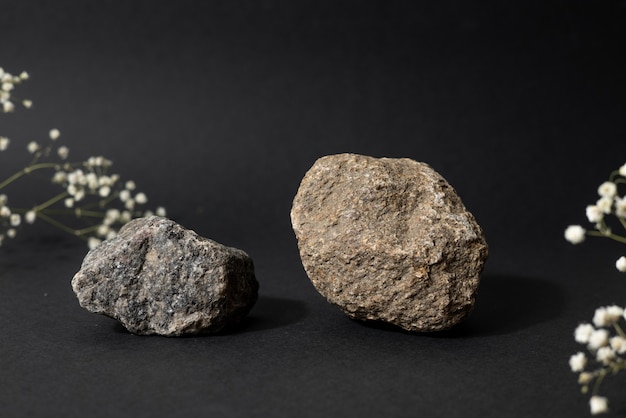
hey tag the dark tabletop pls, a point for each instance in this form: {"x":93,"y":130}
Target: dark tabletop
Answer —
{"x":217,"y":109}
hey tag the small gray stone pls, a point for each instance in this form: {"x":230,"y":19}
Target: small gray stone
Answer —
{"x":157,"y":277}
{"x":388,"y":240}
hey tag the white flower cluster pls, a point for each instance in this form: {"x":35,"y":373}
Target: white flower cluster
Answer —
{"x":609,"y":203}
{"x":100,"y":201}
{"x":8,"y":82}
{"x":606,"y":343}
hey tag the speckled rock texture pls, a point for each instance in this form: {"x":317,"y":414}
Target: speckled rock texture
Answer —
{"x":388,"y":240}
{"x":157,"y":277}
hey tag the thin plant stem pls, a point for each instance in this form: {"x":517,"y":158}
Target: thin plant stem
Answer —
{"x":27,"y":170}
{"x":58,"y":224}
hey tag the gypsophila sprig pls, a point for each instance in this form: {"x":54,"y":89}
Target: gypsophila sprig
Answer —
{"x":605,"y":343}
{"x":89,"y":202}
{"x":610,"y":206}
{"x":604,"y":337}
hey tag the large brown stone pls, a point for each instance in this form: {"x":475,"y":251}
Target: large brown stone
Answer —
{"x":157,"y":277}
{"x":388,"y":240}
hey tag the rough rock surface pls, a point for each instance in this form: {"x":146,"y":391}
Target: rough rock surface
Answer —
{"x":157,"y":277}
{"x":388,"y":240}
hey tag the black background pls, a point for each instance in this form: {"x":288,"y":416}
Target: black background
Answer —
{"x":217,"y":108}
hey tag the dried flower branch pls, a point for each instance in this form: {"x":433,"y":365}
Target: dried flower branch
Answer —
{"x":92,"y":204}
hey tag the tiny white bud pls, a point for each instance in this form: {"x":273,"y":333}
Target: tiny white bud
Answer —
{"x":5,"y":212}
{"x":27,"y":103}
{"x":599,"y":338}
{"x":141,"y":198}
{"x":93,"y":242}
{"x":32,"y":147}
{"x":575,"y":234}
{"x":8,"y":107}
{"x":15,"y":219}
{"x":160,"y":211}
{"x":621,"y":264}
{"x":4,"y":143}
{"x":104,"y":191}
{"x":605,"y":355}
{"x":124,"y":195}
{"x":598,"y":405}
{"x":622,"y":171}
{"x":54,"y":134}
{"x":30,"y":216}
{"x":594,"y":214}
{"x":24,"y":75}
{"x":577,"y":362}
{"x":11,"y":233}
{"x":69,"y":202}
{"x":607,"y":189}
{"x":6,"y":86}
{"x":130,"y":185}
{"x":63,"y":152}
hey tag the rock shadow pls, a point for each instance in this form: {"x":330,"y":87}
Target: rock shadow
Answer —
{"x":273,"y":312}
{"x":504,"y":304}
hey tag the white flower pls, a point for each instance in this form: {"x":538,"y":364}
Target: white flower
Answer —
{"x":125,"y":216}
{"x":30,"y":216}
{"x":76,"y":177}
{"x":32,"y":147}
{"x":618,"y":344}
{"x":583,"y":332}
{"x":620,"y":264}
{"x":577,"y":362}
{"x":160,"y":211}
{"x":129,"y":204}
{"x":63,"y":152}
{"x":130,"y":185}
{"x":54,"y":134}
{"x":11,"y":233}
{"x":93,"y":242}
{"x":3,"y":199}
{"x":59,"y":177}
{"x":79,"y":195}
{"x":141,"y":198}
{"x":605,"y":204}
{"x":598,"y":405}
{"x":8,"y":107}
{"x":92,"y":181}
{"x":6,"y":86}
{"x":575,"y":234}
{"x":124,"y":195}
{"x":614,"y":314}
{"x":4,"y":143}
{"x":622,"y":171}
{"x":599,"y":338}
{"x":607,"y":189}
{"x":103,"y":230}
{"x":594,"y":213}
{"x":111,"y":216}
{"x":15,"y":219}
{"x":104,"y":191}
{"x":600,"y":317}
{"x":605,"y":355}
{"x":27,"y":103}
{"x":69,"y":202}
{"x":5,"y":212}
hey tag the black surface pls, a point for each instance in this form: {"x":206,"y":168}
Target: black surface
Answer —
{"x":217,"y":109}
